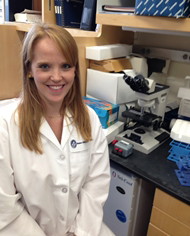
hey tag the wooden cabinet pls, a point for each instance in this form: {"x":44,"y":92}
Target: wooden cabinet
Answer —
{"x":145,"y":22}
{"x":10,"y":68}
{"x":169,"y":216}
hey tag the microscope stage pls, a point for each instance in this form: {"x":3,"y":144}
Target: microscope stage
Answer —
{"x":146,"y":119}
{"x":143,"y":139}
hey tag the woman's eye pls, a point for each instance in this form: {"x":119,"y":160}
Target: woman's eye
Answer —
{"x":44,"y":66}
{"x":66,"y":66}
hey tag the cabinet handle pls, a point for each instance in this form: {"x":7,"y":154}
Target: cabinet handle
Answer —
{"x":49,"y":4}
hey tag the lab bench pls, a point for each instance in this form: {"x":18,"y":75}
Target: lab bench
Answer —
{"x":170,"y":214}
{"x":155,"y":168}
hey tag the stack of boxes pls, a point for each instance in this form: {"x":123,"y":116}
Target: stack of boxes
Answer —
{"x":105,"y":83}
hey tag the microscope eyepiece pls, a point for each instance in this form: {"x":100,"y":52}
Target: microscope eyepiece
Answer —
{"x":138,"y":83}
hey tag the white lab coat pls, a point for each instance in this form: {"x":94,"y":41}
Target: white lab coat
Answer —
{"x":58,"y":193}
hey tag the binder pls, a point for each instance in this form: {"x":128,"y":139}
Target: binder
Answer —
{"x":88,"y":15}
{"x":71,"y":13}
{"x":15,"y":6}
{"x":58,"y":12}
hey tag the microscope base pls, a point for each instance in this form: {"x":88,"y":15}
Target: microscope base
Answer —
{"x":144,"y":140}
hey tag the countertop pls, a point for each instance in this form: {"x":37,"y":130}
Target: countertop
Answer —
{"x":155,"y":168}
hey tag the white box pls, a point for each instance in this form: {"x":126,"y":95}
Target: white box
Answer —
{"x":181,"y":131}
{"x":110,"y":87}
{"x":110,"y":51}
{"x":27,"y":18}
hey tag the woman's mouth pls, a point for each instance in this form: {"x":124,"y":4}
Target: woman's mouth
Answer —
{"x":55,"y":87}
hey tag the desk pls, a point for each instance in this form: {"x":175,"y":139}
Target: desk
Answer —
{"x":155,"y":168}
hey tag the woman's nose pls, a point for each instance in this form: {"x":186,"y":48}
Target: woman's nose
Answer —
{"x":56,"y":76}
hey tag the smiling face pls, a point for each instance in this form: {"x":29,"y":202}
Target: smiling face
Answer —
{"x":52,"y":74}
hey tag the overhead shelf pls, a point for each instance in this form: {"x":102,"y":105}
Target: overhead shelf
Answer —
{"x":144,"y":22}
{"x":74,"y":32}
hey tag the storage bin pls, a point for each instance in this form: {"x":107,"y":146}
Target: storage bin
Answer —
{"x":170,"y":8}
{"x":180,"y":153}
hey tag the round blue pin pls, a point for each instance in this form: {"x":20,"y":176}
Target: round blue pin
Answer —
{"x":73,"y":143}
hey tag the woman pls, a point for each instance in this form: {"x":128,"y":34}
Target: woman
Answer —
{"x":54,"y":165}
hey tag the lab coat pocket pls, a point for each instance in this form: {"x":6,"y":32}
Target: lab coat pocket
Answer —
{"x":79,"y":163}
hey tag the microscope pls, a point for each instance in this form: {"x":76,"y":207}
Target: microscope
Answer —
{"x":146,"y":133}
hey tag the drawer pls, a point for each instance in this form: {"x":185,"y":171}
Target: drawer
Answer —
{"x":168,"y":224}
{"x":173,"y":207}
{"x":154,"y":231}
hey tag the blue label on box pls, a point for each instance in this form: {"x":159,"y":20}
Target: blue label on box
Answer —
{"x":171,"y":8}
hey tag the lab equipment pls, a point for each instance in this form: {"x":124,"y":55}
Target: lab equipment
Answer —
{"x":147,"y":133}
{"x":128,"y":207}
{"x":122,"y":148}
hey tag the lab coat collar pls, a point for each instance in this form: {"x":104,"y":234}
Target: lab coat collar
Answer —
{"x":68,"y":126}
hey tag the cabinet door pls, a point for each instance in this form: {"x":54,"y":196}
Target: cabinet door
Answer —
{"x":172,"y":206}
{"x":48,"y":11}
{"x":10,"y":62}
{"x":168,"y":224}
{"x":169,"y":216}
{"x":154,"y":231}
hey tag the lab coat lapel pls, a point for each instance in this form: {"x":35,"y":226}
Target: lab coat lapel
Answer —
{"x":68,"y":127}
{"x":46,"y":130}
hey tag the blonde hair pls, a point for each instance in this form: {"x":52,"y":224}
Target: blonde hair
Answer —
{"x":32,"y":108}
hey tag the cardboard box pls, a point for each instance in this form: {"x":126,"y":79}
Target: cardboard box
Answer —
{"x":110,"y":87}
{"x":171,"y":8}
{"x":106,"y":52}
{"x":107,"y":112}
{"x":115,"y":65}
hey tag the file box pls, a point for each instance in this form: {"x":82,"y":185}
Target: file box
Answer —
{"x":170,"y":8}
